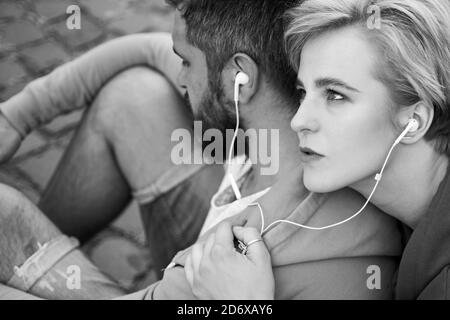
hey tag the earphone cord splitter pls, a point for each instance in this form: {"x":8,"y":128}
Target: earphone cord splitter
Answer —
{"x":264,"y":229}
{"x":378,"y":177}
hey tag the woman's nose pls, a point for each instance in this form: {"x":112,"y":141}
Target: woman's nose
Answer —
{"x":305,"y":118}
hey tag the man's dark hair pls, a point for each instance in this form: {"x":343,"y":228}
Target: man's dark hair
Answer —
{"x":222,"y":28}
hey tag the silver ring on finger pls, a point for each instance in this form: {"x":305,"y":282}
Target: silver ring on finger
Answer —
{"x":244,"y":252}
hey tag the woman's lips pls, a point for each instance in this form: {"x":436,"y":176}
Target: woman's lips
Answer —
{"x":308,"y":155}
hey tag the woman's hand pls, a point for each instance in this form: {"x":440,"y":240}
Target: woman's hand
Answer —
{"x":215,"y":270}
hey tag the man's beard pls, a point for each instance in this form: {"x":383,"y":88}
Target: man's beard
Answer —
{"x":215,"y":112}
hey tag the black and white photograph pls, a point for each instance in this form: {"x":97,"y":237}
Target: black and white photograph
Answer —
{"x":245,"y":151}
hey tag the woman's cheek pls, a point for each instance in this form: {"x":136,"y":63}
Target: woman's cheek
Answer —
{"x":334,"y":172}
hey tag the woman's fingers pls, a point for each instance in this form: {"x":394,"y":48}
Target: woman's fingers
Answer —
{"x":215,"y":270}
{"x":256,"y":249}
{"x":224,"y":235}
{"x":194,"y":261}
{"x":245,"y":234}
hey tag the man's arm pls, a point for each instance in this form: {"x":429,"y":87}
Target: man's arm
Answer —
{"x":75,"y":84}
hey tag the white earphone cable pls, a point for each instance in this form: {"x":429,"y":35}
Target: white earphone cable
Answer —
{"x":233,"y":183}
{"x":235,"y":132}
{"x":264,"y":229}
{"x":378,"y":177}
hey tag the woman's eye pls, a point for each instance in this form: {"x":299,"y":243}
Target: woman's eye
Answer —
{"x":185,"y":63}
{"x":334,"y":96}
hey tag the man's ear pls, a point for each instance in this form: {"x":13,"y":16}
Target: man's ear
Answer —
{"x":241,"y":62}
{"x":423,"y":113}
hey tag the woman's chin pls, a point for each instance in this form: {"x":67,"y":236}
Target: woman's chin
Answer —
{"x":318,"y":184}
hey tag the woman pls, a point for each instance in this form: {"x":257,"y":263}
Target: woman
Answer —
{"x":312,"y":258}
{"x":365,"y":69}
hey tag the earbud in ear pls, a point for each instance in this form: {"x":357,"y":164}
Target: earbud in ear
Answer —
{"x":241,"y":79}
{"x":413,"y":125}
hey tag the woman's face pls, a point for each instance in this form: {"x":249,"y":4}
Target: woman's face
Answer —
{"x":343,"y":123}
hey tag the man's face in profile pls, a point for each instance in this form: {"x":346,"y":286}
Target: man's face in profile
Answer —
{"x":206,"y":103}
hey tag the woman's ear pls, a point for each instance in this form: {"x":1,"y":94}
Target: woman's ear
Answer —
{"x":241,"y":62}
{"x":423,"y":114}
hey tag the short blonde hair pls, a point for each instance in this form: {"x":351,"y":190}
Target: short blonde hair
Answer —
{"x":413,"y":39}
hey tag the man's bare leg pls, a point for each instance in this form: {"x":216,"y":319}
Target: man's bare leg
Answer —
{"x":123,"y":144}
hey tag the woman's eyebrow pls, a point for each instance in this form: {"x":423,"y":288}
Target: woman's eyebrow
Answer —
{"x":324,"y":82}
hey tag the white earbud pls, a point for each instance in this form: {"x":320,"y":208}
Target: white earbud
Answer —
{"x":412,"y":126}
{"x":241,"y":79}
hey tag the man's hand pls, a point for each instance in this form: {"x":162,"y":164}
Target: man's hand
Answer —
{"x":215,"y":270}
{"x":10,"y":139}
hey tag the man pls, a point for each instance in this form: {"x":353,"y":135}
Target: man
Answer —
{"x":123,"y":147}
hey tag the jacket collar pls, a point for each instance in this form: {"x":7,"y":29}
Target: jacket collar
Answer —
{"x":428,"y":250}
